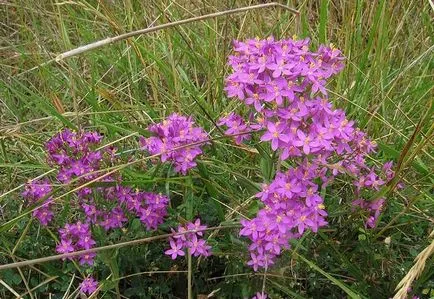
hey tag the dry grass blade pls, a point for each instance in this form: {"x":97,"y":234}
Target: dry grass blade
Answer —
{"x":107,"y":247}
{"x":69,"y":287}
{"x":10,"y":289}
{"x":40,"y":285}
{"x":125,"y":36}
{"x":26,"y":283}
{"x":152,"y":273}
{"x":415,"y":271}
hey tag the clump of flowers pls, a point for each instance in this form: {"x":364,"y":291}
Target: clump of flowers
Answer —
{"x":238,"y":127}
{"x":73,"y":153}
{"x":284,"y":84}
{"x":178,"y":141}
{"x":77,"y":157}
{"x":292,"y":206}
{"x":150,"y":207}
{"x":373,"y":208}
{"x":188,"y":240}
{"x":36,"y":191}
{"x":75,"y":237}
{"x":88,"y":285}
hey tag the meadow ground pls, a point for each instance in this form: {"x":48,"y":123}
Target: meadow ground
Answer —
{"x":119,"y":89}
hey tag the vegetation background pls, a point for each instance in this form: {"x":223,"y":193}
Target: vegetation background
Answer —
{"x":386,"y":87}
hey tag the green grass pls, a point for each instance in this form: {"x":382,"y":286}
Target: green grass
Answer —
{"x":121,"y":88}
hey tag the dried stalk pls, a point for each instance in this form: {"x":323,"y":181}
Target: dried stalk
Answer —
{"x":124,"y":36}
{"x":110,"y":40}
{"x":107,"y":247}
{"x":189,"y":275}
{"x":417,"y":269}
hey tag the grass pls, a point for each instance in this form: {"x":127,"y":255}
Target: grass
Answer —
{"x":121,"y":88}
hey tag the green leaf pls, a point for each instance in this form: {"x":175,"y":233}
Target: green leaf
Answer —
{"x":323,"y":21}
{"x":266,"y":163}
{"x":109,"y":285}
{"x":189,"y":199}
{"x":109,"y":257}
{"x":417,"y":162}
{"x":334,"y":280}
{"x":11,"y":277}
{"x":212,"y":191}
{"x":267,"y":168}
{"x":135,"y":225}
{"x":286,"y":290}
{"x":253,"y":208}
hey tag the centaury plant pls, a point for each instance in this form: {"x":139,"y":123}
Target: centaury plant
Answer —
{"x":180,"y":160}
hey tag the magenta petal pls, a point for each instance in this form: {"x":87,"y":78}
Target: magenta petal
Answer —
{"x":274,"y":143}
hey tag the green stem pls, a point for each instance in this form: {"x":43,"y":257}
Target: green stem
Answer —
{"x":189,"y":215}
{"x":189,"y":276}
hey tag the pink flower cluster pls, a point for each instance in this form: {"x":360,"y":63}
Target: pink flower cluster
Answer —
{"x":371,"y":180}
{"x":373,"y":208}
{"x":72,"y":152}
{"x":292,"y":206}
{"x":76,"y":156}
{"x":75,"y":237}
{"x":284,"y":84}
{"x":150,"y":207}
{"x":238,"y":126}
{"x":88,"y":285}
{"x":34,"y":192}
{"x":191,"y":240}
{"x":172,"y":139}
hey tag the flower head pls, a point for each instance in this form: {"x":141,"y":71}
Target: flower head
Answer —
{"x":192,"y":240}
{"x":88,"y":285}
{"x":177,"y":140}
{"x":37,"y":192}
